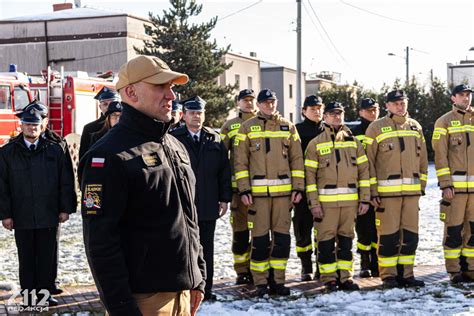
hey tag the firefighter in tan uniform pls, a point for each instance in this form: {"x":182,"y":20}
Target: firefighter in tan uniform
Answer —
{"x":398,"y":172}
{"x":238,"y":216}
{"x":270,"y":177}
{"x":337,"y":188}
{"x":454,"y":159}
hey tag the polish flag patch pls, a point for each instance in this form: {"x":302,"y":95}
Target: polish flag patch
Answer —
{"x":98,"y":162}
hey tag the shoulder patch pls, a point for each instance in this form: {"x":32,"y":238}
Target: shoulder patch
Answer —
{"x":151,"y":160}
{"x":284,"y":128}
{"x":92,"y":200}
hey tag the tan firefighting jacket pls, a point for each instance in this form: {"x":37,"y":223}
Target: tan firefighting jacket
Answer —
{"x":268,"y":158}
{"x":397,"y":155}
{"x":453,"y":143}
{"x":336,"y":169}
{"x":228,"y":132}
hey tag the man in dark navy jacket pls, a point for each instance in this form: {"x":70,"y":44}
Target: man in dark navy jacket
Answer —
{"x":211,"y":166}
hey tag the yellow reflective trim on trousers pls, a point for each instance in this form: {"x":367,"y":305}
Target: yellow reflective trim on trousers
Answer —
{"x":406,"y":259}
{"x":242,"y":258}
{"x":339,"y":197}
{"x":311,"y":163}
{"x":297,"y":173}
{"x":374,"y":245}
{"x":269,"y":134}
{"x":363,"y":247}
{"x":328,"y":268}
{"x":388,"y":261}
{"x":373,"y":180}
{"x":452,"y":253}
{"x":344,"y":265}
{"x":467,"y":252}
{"x":423,"y":177}
{"x":241,"y":174}
{"x":259,"y":266}
{"x":443,"y":172}
{"x":311,"y":188}
{"x":442,"y":131}
{"x":399,"y":188}
{"x":362,"y":159}
{"x":364,"y":183}
{"x":279,"y":264}
{"x":368,"y":140}
{"x":396,"y":134}
{"x":304,"y":249}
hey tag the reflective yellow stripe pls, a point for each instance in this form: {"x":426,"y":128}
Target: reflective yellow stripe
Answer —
{"x":297,"y":173}
{"x":360,"y":137}
{"x":443,"y":172}
{"x":234,"y":185}
{"x":388,"y":261}
{"x":463,"y":184}
{"x":259,"y":266}
{"x":368,"y":140}
{"x":232,"y":133}
{"x":373,"y":180}
{"x":241,"y":258}
{"x":269,"y":134}
{"x":240,"y":136}
{"x":460,"y":129}
{"x":222,"y":136}
{"x":311,"y":163}
{"x":328,"y":268}
{"x":394,"y":134}
{"x":406,"y":259}
{"x":344,"y":265}
{"x":249,"y":225}
{"x":241,"y":174}
{"x":348,"y":144}
{"x":442,"y":131}
{"x":362,"y":159}
{"x":338,"y":197}
{"x":311,"y":188}
{"x":304,"y":249}
{"x":280,"y":188}
{"x":467,"y":252}
{"x":363,"y":247}
{"x":423,"y":177}
{"x":374,"y":245}
{"x":399,"y":188}
{"x":452,"y":253}
{"x":279,"y":264}
{"x":364,"y":183}
{"x":296,"y":137}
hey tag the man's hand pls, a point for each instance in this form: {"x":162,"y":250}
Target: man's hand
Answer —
{"x":317,"y":212}
{"x":8,"y":223}
{"x":448,"y":193}
{"x":363,"y":208}
{"x":196,"y":299}
{"x":222,"y":208}
{"x":375,"y":202}
{"x":63,"y":217}
{"x":296,"y":197}
{"x":247,"y":199}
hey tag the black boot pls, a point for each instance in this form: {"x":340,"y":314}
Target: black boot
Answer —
{"x":280,"y":289}
{"x":374,"y":263}
{"x":330,"y":286}
{"x":349,"y":285}
{"x":456,"y":278}
{"x":261,"y":290}
{"x":389,"y":283}
{"x":364,"y":264}
{"x":317,"y":274}
{"x":411,"y":282}
{"x":306,"y":266}
{"x":243,"y":278}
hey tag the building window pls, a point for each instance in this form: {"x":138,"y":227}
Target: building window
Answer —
{"x":291,"y":91}
{"x":291,"y":117}
{"x":237,"y":81}
{"x":249,"y":82}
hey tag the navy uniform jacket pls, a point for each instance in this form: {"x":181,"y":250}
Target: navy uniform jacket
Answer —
{"x":35,"y":186}
{"x":140,"y":223}
{"x":87,"y":132}
{"x":211,"y":166}
{"x":308,"y":130}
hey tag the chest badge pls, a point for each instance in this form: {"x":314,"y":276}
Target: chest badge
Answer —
{"x":151,"y":160}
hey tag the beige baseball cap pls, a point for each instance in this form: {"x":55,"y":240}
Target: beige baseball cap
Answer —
{"x":148,"y":69}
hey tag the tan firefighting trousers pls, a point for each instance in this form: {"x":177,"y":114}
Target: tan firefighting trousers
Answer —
{"x":240,"y":237}
{"x":458,"y":241}
{"x":335,"y":235}
{"x":397,"y":227}
{"x":269,"y":220}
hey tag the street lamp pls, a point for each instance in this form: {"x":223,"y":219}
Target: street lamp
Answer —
{"x":407,"y":62}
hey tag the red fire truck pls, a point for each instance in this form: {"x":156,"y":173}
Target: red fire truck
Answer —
{"x":69,"y":97}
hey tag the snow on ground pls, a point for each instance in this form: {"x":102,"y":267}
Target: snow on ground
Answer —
{"x":437,"y":299}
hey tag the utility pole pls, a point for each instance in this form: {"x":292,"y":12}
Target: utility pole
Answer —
{"x":298,"y":62}
{"x":407,"y":59}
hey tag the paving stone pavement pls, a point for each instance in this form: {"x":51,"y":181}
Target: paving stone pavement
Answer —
{"x":84,"y":300}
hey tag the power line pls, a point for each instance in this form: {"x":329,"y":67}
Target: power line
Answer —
{"x":240,"y":10}
{"x":387,"y":17}
{"x":327,"y":35}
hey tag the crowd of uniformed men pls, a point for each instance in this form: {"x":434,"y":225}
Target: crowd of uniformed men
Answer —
{"x":150,"y":201}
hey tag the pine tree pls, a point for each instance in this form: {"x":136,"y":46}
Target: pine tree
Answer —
{"x":186,"y":47}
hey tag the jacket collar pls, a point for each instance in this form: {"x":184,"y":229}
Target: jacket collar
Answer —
{"x":137,"y":121}
{"x":461,"y":111}
{"x":246,"y":115}
{"x":311,"y":123}
{"x":273,"y":117}
{"x":397,"y":118}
